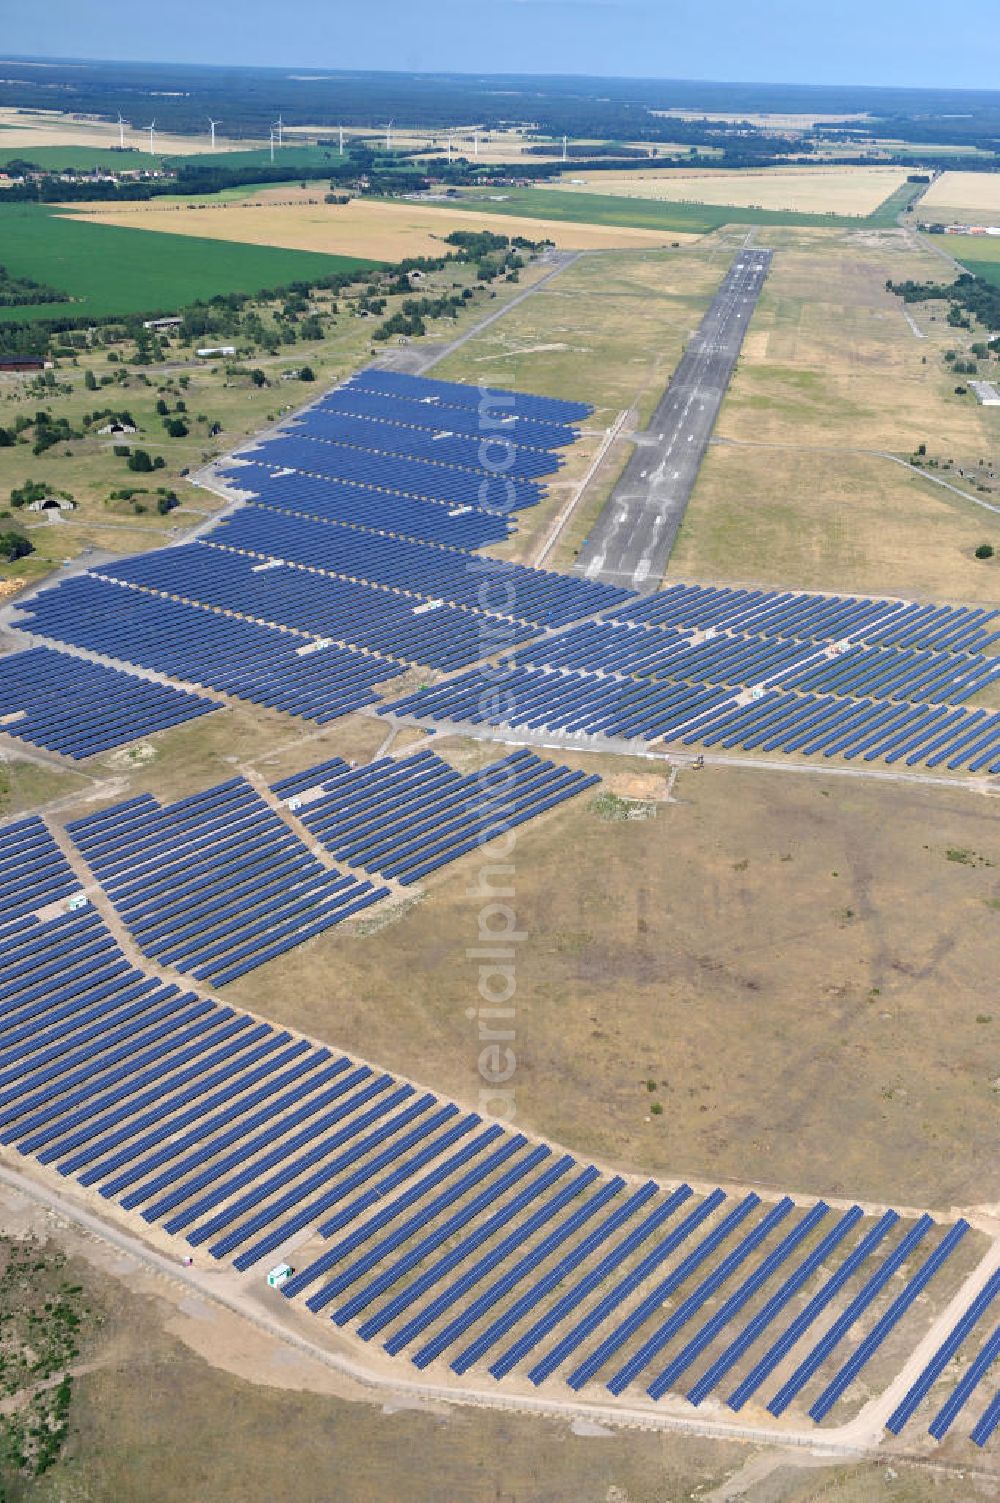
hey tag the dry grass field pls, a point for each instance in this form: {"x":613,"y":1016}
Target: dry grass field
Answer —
{"x":298,"y":219}
{"x":826,"y":520}
{"x":964,"y":195}
{"x":830,"y":367}
{"x":804,"y":190}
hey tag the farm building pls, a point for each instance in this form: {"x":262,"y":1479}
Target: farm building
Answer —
{"x":22,"y":363}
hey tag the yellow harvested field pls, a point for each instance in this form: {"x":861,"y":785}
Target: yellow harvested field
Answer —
{"x":806,"y":190}
{"x":22,"y":128}
{"x":298,"y":219}
{"x":974,"y":195}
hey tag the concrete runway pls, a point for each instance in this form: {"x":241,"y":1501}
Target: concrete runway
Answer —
{"x":631,"y":540}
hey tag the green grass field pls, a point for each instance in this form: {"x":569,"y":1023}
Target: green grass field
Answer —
{"x":110,"y":271}
{"x":696,"y":219}
{"x":979,"y":254}
{"x":83,"y":158}
{"x":260,"y":156}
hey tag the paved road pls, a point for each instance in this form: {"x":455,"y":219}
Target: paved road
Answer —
{"x":631,"y":542}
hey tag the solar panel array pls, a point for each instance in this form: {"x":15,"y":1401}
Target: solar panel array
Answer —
{"x":966,"y":1344}
{"x":406,"y":819}
{"x":79,"y":708}
{"x":215,"y":884}
{"x":302,"y":675}
{"x":429,"y":441}
{"x":352,"y":562}
{"x":444,"y":1235}
{"x":758,"y":670}
{"x":33,"y":872}
{"x":292,"y":493}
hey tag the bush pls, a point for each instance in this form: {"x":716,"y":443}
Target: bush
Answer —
{"x":307,"y":373}
{"x":14,"y":545}
{"x":176,"y":428}
{"x":121,"y":451}
{"x":140,"y":462}
{"x":985,"y":550}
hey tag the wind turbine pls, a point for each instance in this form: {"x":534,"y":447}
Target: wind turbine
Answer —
{"x":475,"y":143}
{"x":151,"y":127}
{"x":341,"y":128}
{"x":281,"y":125}
{"x":272,"y":145}
{"x":565,"y":139}
{"x":388,"y":136}
{"x":449,"y":151}
{"x":212,"y":124}
{"x":121,"y":130}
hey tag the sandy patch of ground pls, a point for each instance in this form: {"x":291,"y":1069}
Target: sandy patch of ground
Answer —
{"x":299,"y":220}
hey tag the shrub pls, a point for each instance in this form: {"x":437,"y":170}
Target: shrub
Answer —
{"x":14,"y":545}
{"x":140,"y":462}
{"x":985,"y":550}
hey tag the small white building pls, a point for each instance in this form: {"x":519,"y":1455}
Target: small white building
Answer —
{"x":279,"y":1275}
{"x":52,"y":503}
{"x":213,"y":351}
{"x":162,"y":323}
{"x":986,"y":393}
{"x":114,"y":429}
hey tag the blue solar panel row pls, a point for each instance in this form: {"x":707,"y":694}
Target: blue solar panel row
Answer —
{"x":215,"y":884}
{"x":705,"y":714}
{"x":325,"y":500}
{"x":428,"y":412}
{"x":79,"y":708}
{"x":263,"y":664}
{"x":297,"y":597}
{"x":446,"y":1237}
{"x":961,"y":1333}
{"x":397,"y":473}
{"x":741,"y":660}
{"x":406,"y":819}
{"x":893,"y":623}
{"x":33,"y":872}
{"x":537,"y":596}
{"x":442,"y":446}
{"x":478,"y":398}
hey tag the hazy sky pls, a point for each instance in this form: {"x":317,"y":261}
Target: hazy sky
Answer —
{"x":904,"y":42}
